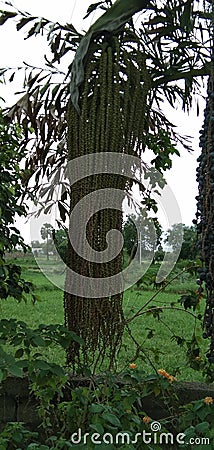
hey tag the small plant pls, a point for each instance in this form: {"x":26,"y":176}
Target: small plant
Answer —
{"x":196,"y":420}
{"x":16,"y":436}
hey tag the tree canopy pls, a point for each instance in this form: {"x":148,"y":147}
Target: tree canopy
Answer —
{"x":150,"y":238}
{"x":172,"y":38}
{"x":189,"y":248}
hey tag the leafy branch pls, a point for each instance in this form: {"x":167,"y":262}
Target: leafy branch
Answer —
{"x":138,"y":313}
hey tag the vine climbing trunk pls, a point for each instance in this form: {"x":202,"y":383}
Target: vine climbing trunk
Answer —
{"x":112,"y":113}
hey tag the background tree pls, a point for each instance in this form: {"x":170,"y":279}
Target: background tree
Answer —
{"x":130,"y":234}
{"x":61,"y":243}
{"x":131,"y":238}
{"x":189,"y":248}
{"x":47,"y":234}
{"x":11,"y":191}
{"x":35,"y":244}
{"x":126,"y":71}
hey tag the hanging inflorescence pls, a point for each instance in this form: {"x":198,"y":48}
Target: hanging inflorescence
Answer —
{"x":205,"y":213}
{"x":112,"y":118}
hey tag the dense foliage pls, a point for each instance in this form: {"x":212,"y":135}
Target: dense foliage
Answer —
{"x":112,"y":412}
{"x":11,"y":191}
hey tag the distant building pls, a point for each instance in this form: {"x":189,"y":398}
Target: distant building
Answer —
{"x":37,"y":251}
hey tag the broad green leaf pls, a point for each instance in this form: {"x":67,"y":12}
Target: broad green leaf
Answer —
{"x":37,"y":341}
{"x":42,"y":365}
{"x":1,"y":375}
{"x":96,"y":408}
{"x":202,"y":428}
{"x":57,"y":370}
{"x":111,"y":418}
{"x":97,"y":427}
{"x":15,"y":370}
{"x":203,"y":413}
{"x":19,"y":353}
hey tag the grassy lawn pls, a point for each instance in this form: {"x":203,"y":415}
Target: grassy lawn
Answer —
{"x":154,"y":334}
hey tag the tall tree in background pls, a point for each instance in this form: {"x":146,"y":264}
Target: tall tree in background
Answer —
{"x":189,"y":248}
{"x":120,"y":75}
{"x":61,"y":243}
{"x":47,"y":235}
{"x":147,"y":242}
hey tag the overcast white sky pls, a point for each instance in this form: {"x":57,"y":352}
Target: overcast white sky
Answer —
{"x":15,"y":50}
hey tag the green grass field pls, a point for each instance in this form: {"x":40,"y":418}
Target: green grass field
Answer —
{"x":153,"y":334}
